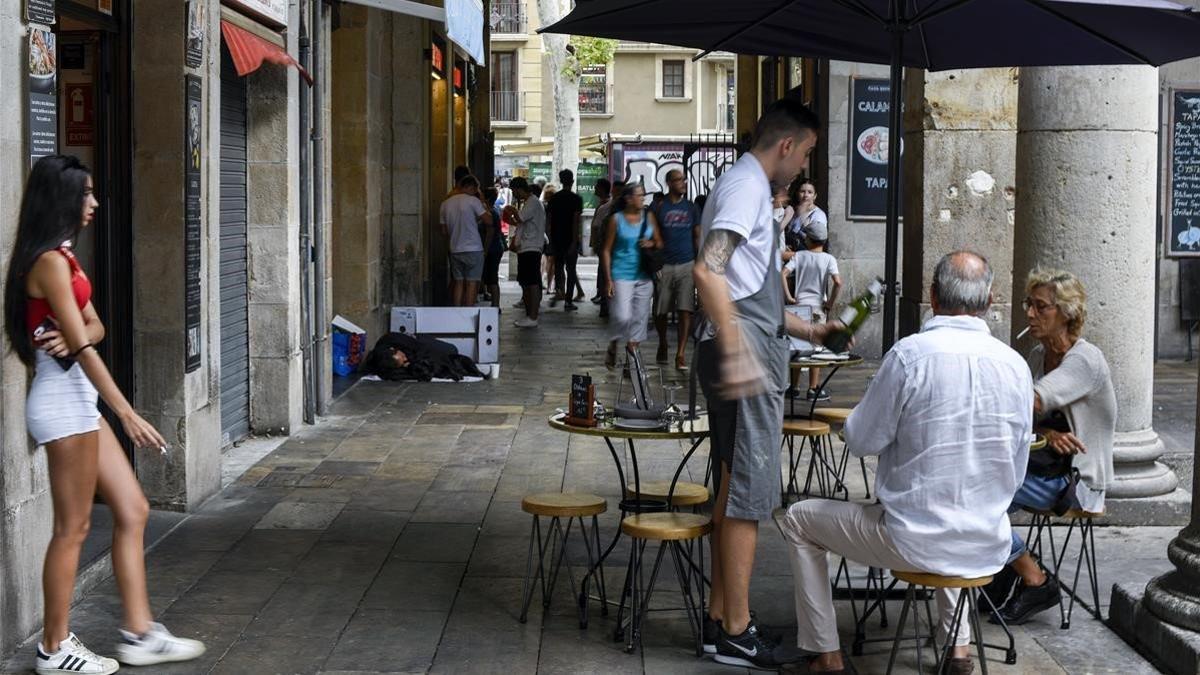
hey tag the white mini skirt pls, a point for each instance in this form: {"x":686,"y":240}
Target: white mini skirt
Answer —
{"x":61,"y":402}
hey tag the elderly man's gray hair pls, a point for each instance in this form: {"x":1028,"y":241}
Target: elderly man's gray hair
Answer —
{"x":962,"y":282}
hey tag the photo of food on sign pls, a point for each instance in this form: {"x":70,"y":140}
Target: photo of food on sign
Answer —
{"x":873,"y":145}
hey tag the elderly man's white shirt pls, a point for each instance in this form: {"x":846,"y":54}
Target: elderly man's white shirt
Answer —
{"x":950,"y":415}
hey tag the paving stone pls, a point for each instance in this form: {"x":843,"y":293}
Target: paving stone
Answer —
{"x":416,"y":586}
{"x":229,"y":592}
{"x":364,"y":526}
{"x":411,"y":638}
{"x":300,"y":516}
{"x":304,"y":610}
{"x":275,"y":655}
{"x":452,"y":507}
{"x":345,"y":468}
{"x":218,"y":632}
{"x":436,"y":542}
{"x":351,"y":567}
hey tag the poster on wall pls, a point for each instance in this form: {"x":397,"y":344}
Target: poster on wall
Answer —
{"x":192,"y":236}
{"x":194,"y":46}
{"x":1183,"y":221}
{"x":80,"y":121}
{"x":870,"y":103}
{"x":43,"y":94}
{"x":40,"y":11}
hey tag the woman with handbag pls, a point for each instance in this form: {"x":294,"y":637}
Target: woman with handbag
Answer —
{"x":631,"y":255}
{"x":52,"y":327}
{"x":1075,"y":409}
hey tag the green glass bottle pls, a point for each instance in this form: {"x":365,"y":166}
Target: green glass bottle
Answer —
{"x":853,"y":317}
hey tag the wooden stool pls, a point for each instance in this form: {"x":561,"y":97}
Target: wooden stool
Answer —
{"x":1043,"y":521}
{"x":817,"y":434}
{"x":836,"y":417}
{"x":672,"y":530}
{"x":686,"y":494}
{"x":966,"y":600}
{"x":556,"y":506}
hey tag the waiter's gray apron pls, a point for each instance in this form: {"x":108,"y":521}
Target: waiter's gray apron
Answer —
{"x":745,"y":433}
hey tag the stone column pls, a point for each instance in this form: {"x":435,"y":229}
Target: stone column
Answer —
{"x":960,"y":134}
{"x":1086,"y":163}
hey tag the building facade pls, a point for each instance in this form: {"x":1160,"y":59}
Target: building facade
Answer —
{"x":656,"y":92}
{"x":262,"y":166}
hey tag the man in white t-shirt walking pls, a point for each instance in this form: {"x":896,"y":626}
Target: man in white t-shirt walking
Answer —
{"x":742,"y":366}
{"x":461,"y":216}
{"x":817,"y":284}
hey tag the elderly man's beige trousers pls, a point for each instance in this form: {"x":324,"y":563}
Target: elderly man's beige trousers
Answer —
{"x":816,"y":527}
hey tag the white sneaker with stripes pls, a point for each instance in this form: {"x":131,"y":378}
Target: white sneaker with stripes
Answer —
{"x":73,"y":657}
{"x":156,"y":646}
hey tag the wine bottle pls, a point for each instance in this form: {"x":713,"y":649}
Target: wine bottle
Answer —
{"x":853,"y":317}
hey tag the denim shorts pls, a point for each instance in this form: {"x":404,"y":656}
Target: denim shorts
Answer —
{"x":466,"y":266}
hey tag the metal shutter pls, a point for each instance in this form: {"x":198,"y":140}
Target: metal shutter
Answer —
{"x":235,"y":318}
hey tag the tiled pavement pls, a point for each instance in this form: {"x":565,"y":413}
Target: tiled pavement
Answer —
{"x":389,"y":539}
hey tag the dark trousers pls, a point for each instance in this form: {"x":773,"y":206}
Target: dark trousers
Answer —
{"x":566,"y":259}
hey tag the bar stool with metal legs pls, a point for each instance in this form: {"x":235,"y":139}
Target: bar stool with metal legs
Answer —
{"x":836,"y":418}
{"x":820,"y":467}
{"x":1042,"y":521}
{"x":966,"y":605}
{"x":558,"y":506}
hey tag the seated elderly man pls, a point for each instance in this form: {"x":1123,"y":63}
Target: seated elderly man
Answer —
{"x":949,"y":415}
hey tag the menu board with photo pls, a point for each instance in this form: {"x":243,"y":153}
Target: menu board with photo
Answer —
{"x":192,"y":234}
{"x":43,"y":94}
{"x":870,"y":103}
{"x":1183,"y":221}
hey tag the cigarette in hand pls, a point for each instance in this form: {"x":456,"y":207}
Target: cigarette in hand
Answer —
{"x":163,"y":449}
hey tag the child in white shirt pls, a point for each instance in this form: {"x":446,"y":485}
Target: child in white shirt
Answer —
{"x":817,"y":283}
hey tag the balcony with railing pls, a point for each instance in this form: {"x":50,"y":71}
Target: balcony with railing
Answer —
{"x":508,"y":107}
{"x":595,"y":96}
{"x":508,"y":19}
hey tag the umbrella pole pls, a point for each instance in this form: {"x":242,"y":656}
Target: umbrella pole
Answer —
{"x":895,"y":143}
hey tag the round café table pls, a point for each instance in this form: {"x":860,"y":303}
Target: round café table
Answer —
{"x":695,"y":431}
{"x":796,"y":365}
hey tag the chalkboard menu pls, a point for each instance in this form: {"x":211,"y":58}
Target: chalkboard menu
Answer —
{"x":1183,"y":221}
{"x":192,"y":235}
{"x":583,"y":394}
{"x":870,"y":102}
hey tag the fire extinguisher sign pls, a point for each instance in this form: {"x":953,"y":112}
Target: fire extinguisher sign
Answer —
{"x":77,"y":105}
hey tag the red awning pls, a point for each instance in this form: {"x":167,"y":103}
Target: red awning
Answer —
{"x":249,"y":51}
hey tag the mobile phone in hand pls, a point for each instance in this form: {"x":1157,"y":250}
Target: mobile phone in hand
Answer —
{"x":65,"y":362}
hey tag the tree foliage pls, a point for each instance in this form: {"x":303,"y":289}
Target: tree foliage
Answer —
{"x":588,"y":51}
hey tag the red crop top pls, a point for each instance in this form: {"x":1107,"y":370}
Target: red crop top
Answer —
{"x":38,"y":309}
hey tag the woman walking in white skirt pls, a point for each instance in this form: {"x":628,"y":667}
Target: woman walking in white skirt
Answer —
{"x":53,"y":328}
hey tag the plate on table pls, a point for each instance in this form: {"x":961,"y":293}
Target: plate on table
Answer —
{"x":637,"y":425}
{"x":830,"y":356}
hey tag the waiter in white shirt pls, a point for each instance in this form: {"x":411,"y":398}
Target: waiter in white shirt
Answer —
{"x":950,"y":416}
{"x":742,"y":367}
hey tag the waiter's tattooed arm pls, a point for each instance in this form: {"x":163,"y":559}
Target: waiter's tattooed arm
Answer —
{"x":741,"y":374}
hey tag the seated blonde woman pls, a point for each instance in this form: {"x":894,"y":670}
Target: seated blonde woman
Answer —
{"x":1076,"y":410}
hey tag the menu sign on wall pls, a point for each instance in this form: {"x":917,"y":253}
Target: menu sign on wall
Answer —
{"x":1183,"y":221}
{"x":192,"y":237}
{"x":870,"y":103}
{"x":40,"y":11}
{"x":43,"y":94}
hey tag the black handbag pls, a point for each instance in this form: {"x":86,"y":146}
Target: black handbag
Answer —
{"x":652,"y":258}
{"x":1047,"y":462}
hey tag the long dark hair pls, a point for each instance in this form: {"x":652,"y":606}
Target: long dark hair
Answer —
{"x":51,"y":213}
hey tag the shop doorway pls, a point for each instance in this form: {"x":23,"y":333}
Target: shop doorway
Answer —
{"x":93,"y":104}
{"x":235,"y":289}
